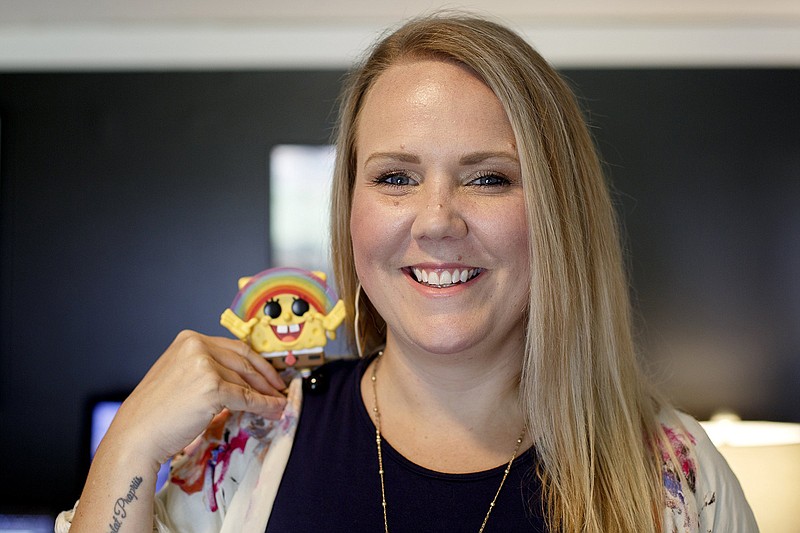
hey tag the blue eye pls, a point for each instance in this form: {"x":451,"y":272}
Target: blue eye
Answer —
{"x":272,"y":309}
{"x":394,"y":179}
{"x":490,"y":180}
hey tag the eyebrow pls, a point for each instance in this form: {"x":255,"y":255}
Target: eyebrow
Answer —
{"x":403,"y":157}
{"x":478,"y":157}
{"x":468,"y":159}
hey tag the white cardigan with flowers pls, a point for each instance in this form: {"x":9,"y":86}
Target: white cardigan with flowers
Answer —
{"x":227,"y":480}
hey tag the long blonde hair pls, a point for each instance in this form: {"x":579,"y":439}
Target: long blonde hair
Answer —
{"x":592,"y":415}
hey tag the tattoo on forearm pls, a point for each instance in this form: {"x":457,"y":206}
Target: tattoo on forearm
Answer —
{"x":120,"y":511}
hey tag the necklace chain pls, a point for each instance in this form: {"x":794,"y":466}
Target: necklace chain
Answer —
{"x":378,"y":439}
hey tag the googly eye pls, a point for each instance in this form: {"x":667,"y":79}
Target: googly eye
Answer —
{"x":272,"y":309}
{"x":299,"y":307}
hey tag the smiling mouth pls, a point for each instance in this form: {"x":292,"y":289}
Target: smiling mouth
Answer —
{"x":443,"y":278}
{"x":287,"y":333}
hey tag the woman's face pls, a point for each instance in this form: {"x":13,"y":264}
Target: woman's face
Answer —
{"x":438,"y":218}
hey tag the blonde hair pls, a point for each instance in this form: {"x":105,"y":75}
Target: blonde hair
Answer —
{"x":592,"y":415}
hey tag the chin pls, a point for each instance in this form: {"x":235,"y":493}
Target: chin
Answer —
{"x":449,"y":343}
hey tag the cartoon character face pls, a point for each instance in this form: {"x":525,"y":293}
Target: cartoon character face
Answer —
{"x":285,"y":310}
{"x":287,"y":322}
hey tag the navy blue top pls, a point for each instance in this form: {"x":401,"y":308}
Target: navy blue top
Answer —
{"x":331,"y":482}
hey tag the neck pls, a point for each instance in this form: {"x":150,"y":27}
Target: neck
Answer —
{"x":454,"y":382}
{"x":466,"y":403}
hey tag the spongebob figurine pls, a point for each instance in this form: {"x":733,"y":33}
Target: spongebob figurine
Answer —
{"x":287,"y":315}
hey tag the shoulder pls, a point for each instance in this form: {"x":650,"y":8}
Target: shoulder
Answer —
{"x":702,"y":493}
{"x":333,"y":374}
{"x":330,"y":393}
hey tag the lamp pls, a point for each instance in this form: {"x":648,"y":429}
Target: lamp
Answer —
{"x":765,"y":456}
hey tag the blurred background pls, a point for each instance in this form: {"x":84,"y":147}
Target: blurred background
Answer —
{"x":143,"y":170}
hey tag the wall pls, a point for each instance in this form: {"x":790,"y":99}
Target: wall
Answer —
{"x":131,"y":203}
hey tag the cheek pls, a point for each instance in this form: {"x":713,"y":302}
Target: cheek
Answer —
{"x":506,"y":233}
{"x":519,"y":239}
{"x":376,"y":229}
{"x":362,"y":233}
{"x":520,"y":255}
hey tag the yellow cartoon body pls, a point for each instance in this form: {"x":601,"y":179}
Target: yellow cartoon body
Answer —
{"x":287,"y":315}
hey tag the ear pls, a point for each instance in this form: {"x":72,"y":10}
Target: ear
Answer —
{"x":243,"y":281}
{"x":321,"y":275}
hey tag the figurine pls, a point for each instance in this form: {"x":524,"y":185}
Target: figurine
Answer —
{"x":286,"y":314}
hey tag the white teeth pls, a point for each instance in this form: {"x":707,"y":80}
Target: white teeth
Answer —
{"x":294,"y":328}
{"x":445,"y":278}
{"x":282,"y":329}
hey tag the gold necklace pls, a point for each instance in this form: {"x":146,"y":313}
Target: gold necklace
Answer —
{"x":380,"y":454}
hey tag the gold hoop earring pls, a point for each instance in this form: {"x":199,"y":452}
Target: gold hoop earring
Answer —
{"x":356,"y":321}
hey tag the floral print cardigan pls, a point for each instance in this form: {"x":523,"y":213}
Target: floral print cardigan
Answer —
{"x":227,"y":480}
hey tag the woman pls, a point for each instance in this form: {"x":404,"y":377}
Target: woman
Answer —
{"x":474,"y":235}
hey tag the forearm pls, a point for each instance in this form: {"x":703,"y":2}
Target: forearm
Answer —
{"x":118,"y":495}
{"x":190,"y":383}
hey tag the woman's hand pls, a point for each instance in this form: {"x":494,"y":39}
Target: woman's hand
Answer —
{"x":194,"y":380}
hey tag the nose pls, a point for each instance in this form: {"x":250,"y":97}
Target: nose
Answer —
{"x":439,"y":217}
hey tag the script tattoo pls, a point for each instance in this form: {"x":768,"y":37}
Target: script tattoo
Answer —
{"x":120,"y":505}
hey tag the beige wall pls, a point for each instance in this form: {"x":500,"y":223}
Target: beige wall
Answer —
{"x":80,"y":34}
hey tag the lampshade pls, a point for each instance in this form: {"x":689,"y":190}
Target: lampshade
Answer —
{"x":765,"y":456}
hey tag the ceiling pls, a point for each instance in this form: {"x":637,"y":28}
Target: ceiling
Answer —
{"x":348,"y":11}
{"x":146,"y":34}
